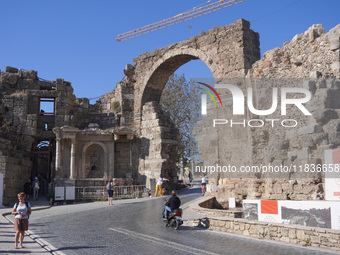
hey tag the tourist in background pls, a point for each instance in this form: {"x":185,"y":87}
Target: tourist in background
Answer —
{"x":109,"y":188}
{"x":27,"y":188}
{"x":159,"y":188}
{"x":190,"y":176}
{"x":204,"y":185}
{"x":44,"y":185}
{"x":36,"y":188}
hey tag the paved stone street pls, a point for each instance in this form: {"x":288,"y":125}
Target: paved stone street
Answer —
{"x":136,"y":227}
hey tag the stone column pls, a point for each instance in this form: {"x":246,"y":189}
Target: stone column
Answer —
{"x":72,"y":161}
{"x":112,"y":160}
{"x":130,"y":137}
{"x":57,"y":156}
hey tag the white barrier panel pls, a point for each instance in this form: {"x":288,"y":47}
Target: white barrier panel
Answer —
{"x":70,"y":193}
{"x":59,"y":193}
{"x":65,"y":193}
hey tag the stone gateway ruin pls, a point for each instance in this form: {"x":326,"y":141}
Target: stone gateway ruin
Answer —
{"x":45,"y":130}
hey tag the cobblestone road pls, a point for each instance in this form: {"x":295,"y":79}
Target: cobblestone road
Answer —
{"x":136,"y":227}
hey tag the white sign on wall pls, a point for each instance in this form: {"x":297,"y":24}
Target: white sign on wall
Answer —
{"x":232,"y":202}
{"x":323,"y":214}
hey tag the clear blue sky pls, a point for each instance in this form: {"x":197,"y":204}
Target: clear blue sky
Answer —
{"x":74,"y":40}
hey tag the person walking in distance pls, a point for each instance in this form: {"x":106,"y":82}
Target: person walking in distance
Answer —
{"x":27,"y":189}
{"x":36,"y":187}
{"x":159,"y":185}
{"x":109,"y":188}
{"x":204,"y":185}
{"x":21,"y":210}
{"x":190,"y":176}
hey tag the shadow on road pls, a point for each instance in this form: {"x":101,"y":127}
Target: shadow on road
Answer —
{"x":186,"y":228}
{"x":79,"y":248}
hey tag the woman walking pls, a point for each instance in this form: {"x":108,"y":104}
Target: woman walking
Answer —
{"x":204,"y":185}
{"x":109,"y":188}
{"x":21,"y":210}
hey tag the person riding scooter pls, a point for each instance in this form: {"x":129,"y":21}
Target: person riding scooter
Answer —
{"x":173,"y":203}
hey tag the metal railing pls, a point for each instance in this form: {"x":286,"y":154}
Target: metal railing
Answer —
{"x":100,"y":192}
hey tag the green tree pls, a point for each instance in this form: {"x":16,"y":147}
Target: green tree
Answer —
{"x":180,"y":99}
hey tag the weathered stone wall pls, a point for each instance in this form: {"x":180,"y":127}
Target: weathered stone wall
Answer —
{"x":276,"y":146}
{"x":21,"y":123}
{"x":159,"y":143}
{"x":222,"y":145}
{"x":292,"y":234}
{"x":122,"y":162}
{"x":120,"y":101}
{"x":305,"y":144}
{"x":312,"y":54}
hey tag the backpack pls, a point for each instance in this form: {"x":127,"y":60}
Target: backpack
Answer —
{"x":109,"y":186}
{"x":17,"y":204}
{"x":36,"y":185}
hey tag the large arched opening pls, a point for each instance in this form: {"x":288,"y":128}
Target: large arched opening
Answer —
{"x":227,"y":52}
{"x":157,"y":127}
{"x":164,"y":68}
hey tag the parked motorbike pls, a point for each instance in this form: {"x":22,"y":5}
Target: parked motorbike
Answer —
{"x":174,"y":219}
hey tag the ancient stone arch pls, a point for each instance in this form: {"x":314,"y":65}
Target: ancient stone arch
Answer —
{"x":227,"y":51}
{"x":165,"y":67}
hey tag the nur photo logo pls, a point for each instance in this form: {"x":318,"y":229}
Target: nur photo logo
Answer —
{"x":278,"y":101}
{"x":204,"y":97}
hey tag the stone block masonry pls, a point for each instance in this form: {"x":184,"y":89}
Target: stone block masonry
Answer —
{"x":313,"y":56}
{"x":158,"y":145}
{"x":315,"y":237}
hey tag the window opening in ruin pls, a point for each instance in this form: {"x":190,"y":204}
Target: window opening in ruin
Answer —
{"x":42,"y":157}
{"x":46,"y":106}
{"x":42,"y":146}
